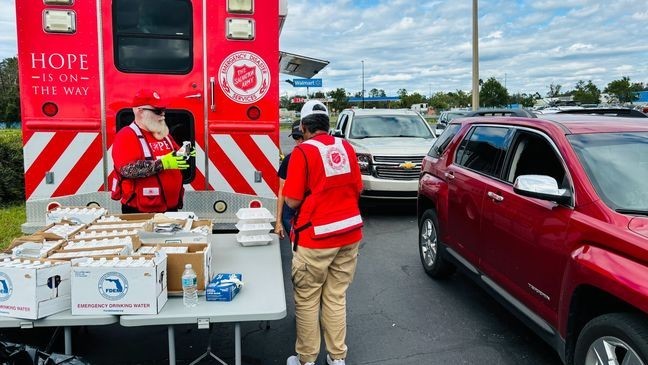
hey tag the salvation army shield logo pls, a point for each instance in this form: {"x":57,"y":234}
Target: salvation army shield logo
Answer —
{"x":113,"y":286}
{"x":244,"y":77}
{"x":6,"y":287}
{"x":336,"y":159}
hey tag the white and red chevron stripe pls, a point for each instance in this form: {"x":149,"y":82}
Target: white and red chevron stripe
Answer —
{"x":74,"y":158}
{"x":234,"y":158}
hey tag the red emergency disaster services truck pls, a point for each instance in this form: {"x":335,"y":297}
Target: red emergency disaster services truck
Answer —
{"x":81,"y":62}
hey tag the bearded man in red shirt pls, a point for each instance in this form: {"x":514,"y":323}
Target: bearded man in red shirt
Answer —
{"x":147,"y":170}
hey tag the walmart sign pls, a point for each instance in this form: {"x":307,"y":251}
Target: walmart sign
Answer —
{"x":307,"y":82}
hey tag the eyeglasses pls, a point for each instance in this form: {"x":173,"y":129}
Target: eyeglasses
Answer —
{"x":157,"y":111}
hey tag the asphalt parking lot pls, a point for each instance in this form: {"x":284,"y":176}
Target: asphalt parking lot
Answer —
{"x":396,"y":315}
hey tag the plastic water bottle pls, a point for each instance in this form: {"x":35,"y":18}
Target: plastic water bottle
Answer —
{"x":189,"y":287}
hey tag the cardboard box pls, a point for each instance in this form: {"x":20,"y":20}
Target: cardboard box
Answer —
{"x":81,"y":214}
{"x":184,"y":236}
{"x":108,"y":218}
{"x":49,"y":231}
{"x":198,"y":255}
{"x":45,"y":251}
{"x":34,"y":293}
{"x":224,"y":287}
{"x":119,"y":290}
{"x":132,"y":247}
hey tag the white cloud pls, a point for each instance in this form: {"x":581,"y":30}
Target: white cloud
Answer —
{"x":420,"y":45}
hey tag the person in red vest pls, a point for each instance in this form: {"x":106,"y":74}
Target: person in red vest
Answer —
{"x":148,"y":177}
{"x":324,"y":185}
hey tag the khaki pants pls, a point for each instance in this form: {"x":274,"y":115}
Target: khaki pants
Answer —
{"x":320,"y":279}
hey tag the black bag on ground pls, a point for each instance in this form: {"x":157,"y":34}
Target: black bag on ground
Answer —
{"x":19,"y":354}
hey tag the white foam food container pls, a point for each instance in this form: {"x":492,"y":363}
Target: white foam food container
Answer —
{"x":254,"y":215}
{"x":253,"y":228}
{"x":253,"y":240}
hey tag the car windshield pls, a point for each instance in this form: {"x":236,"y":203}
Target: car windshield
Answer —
{"x":617,"y":165}
{"x":376,"y":126}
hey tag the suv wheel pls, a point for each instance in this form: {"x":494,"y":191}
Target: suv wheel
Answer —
{"x":616,"y":338}
{"x":430,"y":248}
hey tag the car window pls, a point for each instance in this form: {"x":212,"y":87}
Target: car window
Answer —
{"x":375,"y":126}
{"x":617,"y":166}
{"x":483,"y":149}
{"x":533,"y":154}
{"x":343,"y":122}
{"x":443,"y":141}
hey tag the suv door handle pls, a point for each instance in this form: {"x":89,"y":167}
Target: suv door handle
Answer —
{"x":496,"y":198}
{"x":449,"y":175}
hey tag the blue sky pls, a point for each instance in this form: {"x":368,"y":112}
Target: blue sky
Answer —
{"x":425,"y":45}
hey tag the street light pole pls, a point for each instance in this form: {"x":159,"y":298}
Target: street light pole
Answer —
{"x":363,"y":105}
{"x":475,"y":61}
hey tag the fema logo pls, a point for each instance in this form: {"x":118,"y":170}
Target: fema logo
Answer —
{"x":6,"y":288}
{"x":335,"y":158}
{"x":113,"y":286}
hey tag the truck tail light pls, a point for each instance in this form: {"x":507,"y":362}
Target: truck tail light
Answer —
{"x":254,"y":112}
{"x":240,"y":28}
{"x":364,"y":161}
{"x":50,"y":109}
{"x":255,"y":204}
{"x":240,"y":6}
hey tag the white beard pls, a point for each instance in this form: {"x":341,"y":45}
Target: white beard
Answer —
{"x":159,"y":129}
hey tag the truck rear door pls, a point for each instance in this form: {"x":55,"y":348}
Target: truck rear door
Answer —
{"x":156,"y":44}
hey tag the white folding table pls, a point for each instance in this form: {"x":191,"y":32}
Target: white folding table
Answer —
{"x":261,"y":298}
{"x":63,"y":319}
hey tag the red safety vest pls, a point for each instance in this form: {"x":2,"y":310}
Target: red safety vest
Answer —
{"x":330,"y":208}
{"x":147,"y":194}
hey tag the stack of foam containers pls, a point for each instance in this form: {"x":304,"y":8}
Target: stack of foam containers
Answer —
{"x":254,"y":226}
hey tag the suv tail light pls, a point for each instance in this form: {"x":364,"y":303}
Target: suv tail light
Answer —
{"x":364,"y":161}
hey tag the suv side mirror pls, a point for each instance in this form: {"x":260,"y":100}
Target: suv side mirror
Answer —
{"x":338,"y":133}
{"x":541,"y":187}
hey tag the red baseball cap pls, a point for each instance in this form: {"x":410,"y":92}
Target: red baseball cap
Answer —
{"x":148,"y":97}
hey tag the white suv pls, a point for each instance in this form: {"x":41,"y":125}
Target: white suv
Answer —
{"x":390,"y":144}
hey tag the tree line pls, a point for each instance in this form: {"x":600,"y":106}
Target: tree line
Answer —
{"x":491,"y":94}
{"x":9,"y":97}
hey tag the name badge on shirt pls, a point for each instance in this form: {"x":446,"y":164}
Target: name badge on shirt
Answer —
{"x":151,"y":191}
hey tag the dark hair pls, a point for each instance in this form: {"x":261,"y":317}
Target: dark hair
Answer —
{"x":316,"y":122}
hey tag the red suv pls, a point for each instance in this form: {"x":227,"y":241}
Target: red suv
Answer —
{"x":550,"y":215}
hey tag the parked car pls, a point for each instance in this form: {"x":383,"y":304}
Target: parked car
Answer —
{"x":550,"y":215}
{"x":515,"y":112}
{"x":390,"y":144}
{"x":445,"y":118}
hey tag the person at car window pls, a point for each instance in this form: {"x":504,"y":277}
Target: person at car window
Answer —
{"x":285,"y":213}
{"x":324,"y":184}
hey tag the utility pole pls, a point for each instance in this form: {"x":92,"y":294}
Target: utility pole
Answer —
{"x":475,"y":61}
{"x":363,"y":105}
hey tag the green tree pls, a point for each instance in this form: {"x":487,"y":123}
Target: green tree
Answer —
{"x":526,"y":100}
{"x":493,"y":94}
{"x":377,"y":93}
{"x":623,"y":90}
{"x":587,"y":93}
{"x":554,"y":90}
{"x":9,"y":95}
{"x":439,"y":101}
{"x":340,"y":99}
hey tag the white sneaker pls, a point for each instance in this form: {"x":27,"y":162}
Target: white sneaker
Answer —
{"x":330,"y":361}
{"x":294,"y":360}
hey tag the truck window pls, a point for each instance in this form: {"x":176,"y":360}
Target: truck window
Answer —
{"x":153,"y":36}
{"x":443,"y":141}
{"x":484,"y":149}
